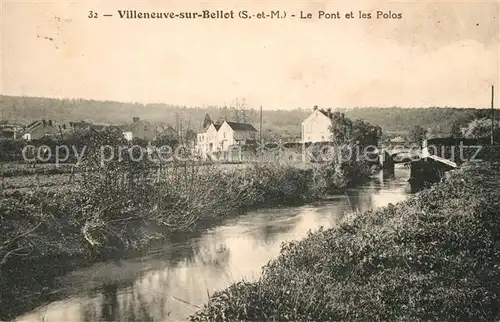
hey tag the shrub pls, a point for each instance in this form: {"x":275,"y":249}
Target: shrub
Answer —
{"x":125,"y":205}
{"x":434,"y":257}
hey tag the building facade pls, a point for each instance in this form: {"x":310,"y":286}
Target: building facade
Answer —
{"x":235,"y":134}
{"x":316,"y":127}
{"x":39,"y":129}
{"x":139,"y":129}
{"x":218,"y":138}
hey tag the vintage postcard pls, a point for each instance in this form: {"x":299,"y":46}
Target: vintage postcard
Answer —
{"x":281,"y":160}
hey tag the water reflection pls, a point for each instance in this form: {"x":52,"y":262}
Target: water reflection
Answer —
{"x":160,"y":288}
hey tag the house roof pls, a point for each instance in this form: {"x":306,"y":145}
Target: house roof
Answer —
{"x":216,"y":125}
{"x":33,"y":125}
{"x":38,"y":124}
{"x":244,"y":127}
{"x":325,"y":113}
{"x":316,"y":113}
{"x":7,"y":130}
{"x":132,"y":126}
{"x":398,"y":139}
{"x":167,"y":130}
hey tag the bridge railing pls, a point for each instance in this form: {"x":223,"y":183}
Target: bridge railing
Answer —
{"x":460,"y":150}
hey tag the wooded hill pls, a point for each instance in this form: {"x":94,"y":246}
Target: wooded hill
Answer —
{"x":278,"y":123}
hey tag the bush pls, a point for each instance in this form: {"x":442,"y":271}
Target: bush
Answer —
{"x":434,"y":257}
{"x":126,"y":205}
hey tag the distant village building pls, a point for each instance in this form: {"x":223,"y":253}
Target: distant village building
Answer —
{"x":39,"y":129}
{"x":220,"y":137}
{"x":139,"y":129}
{"x":10,"y":131}
{"x":73,"y":130}
{"x":397,"y":141}
{"x":316,"y":127}
{"x":84,"y":125}
{"x":166,"y":132}
{"x":207,"y":142}
{"x":232,"y":133}
{"x":186,"y":137}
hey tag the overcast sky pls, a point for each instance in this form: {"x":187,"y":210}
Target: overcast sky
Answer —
{"x":438,"y":54}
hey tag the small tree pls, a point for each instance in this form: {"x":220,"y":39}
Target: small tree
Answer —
{"x":456,"y":129}
{"x":240,"y":112}
{"x":417,"y":134}
{"x":481,"y":128}
{"x":341,"y":128}
{"x":207,"y":121}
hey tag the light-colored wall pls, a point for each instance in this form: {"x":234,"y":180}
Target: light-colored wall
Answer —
{"x":316,"y":128}
{"x":145,"y":131}
{"x":211,"y":139}
{"x":207,"y":142}
{"x":226,"y":136}
{"x":128,"y":135}
{"x":201,"y":145}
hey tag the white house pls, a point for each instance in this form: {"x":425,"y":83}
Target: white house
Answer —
{"x":139,"y":129}
{"x":220,"y":137}
{"x":232,"y":133}
{"x":207,"y":142}
{"x":316,"y":127}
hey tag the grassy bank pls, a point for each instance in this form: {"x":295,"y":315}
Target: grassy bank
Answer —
{"x":434,"y":258}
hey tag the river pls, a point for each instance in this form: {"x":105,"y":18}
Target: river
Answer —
{"x":171,"y":284}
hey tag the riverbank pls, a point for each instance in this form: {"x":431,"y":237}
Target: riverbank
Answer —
{"x":124,"y":212}
{"x":433,"y":257}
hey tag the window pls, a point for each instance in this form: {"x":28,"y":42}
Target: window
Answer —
{"x":224,"y":135}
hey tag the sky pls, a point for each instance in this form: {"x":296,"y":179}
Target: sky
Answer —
{"x":438,"y":54}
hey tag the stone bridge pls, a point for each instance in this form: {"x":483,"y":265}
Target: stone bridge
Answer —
{"x":443,"y":154}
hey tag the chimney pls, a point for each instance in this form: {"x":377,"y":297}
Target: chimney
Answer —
{"x":50,"y":122}
{"x":44,"y":122}
{"x":135,"y":119}
{"x":329,"y":112}
{"x":315,"y":108}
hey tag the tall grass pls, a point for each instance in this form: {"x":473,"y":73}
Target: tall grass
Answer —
{"x":432,"y":258}
{"x":124,"y":207}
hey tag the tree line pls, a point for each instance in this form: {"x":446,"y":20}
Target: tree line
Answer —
{"x":281,"y":123}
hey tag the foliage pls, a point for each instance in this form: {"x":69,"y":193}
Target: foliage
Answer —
{"x":165,"y":141}
{"x":456,"y":129}
{"x":431,"y":258}
{"x":359,"y":132}
{"x":276,"y":123}
{"x":207,"y":121}
{"x":333,"y":176}
{"x":128,"y":202}
{"x":417,"y":134}
{"x":481,"y":128}
{"x":11,"y":150}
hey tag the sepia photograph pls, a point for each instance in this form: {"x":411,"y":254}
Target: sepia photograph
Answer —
{"x":280,"y":160}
